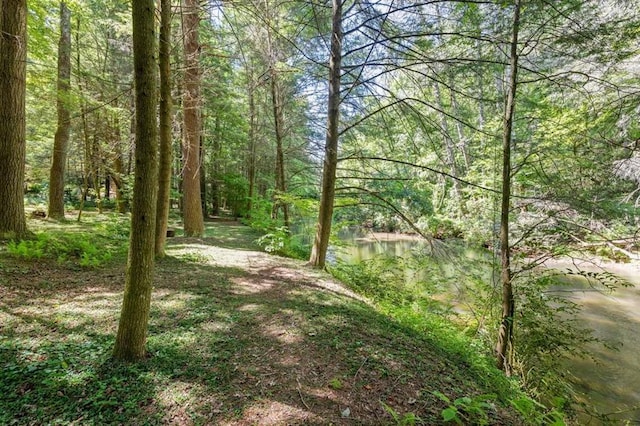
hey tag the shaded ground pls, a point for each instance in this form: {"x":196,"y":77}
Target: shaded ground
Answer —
{"x":237,"y":337}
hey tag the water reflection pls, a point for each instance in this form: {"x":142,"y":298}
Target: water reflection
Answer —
{"x":610,"y":381}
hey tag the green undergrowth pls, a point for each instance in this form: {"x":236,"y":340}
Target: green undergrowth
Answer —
{"x":89,"y":244}
{"x":417,"y":310}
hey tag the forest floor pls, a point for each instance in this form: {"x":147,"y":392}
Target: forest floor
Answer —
{"x":236,"y":337}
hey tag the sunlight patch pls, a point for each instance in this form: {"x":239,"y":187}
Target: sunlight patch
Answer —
{"x":249,"y":307}
{"x":215,"y":326}
{"x":280,"y":333}
{"x":251,"y":286}
{"x":290,"y":360}
{"x":268,"y":413}
{"x":173,"y":301}
{"x":179,"y":394}
{"x":96,"y":310}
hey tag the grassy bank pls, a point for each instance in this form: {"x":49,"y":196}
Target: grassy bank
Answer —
{"x":236,"y":337}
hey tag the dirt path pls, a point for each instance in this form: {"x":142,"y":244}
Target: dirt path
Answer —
{"x":236,"y":337}
{"x":263,"y":268}
{"x":327,"y":358}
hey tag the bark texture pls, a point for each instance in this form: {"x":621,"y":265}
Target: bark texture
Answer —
{"x":504,"y":347}
{"x":61,"y":138}
{"x":192,"y":204}
{"x":325,"y":216}
{"x":13,"y":56}
{"x":134,"y":318}
{"x":166,"y":107}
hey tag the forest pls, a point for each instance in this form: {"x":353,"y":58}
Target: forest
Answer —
{"x":149,"y":149}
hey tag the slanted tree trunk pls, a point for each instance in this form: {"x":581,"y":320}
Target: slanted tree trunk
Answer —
{"x":164,"y":172}
{"x":134,"y":318}
{"x":504,"y":347}
{"x":325,"y":216}
{"x":192,"y":205}
{"x":61,"y":139}
{"x":13,"y":57}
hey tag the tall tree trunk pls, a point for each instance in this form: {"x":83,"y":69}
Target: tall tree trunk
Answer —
{"x":192,"y":208}
{"x":450,"y":157}
{"x":449,"y":147}
{"x":273,"y":53}
{"x":216,"y":173}
{"x":119,"y":169}
{"x":203,"y":177}
{"x":13,"y":59}
{"x":164,"y":172}
{"x":107,"y":186}
{"x":281,"y":187}
{"x":504,"y":347}
{"x":85,"y":129}
{"x":132,"y":329}
{"x":87,"y":157}
{"x":325,"y":216}
{"x":251,"y":173}
{"x":61,"y":139}
{"x":118,"y":166}
{"x":462,"y":140}
{"x":96,"y":165}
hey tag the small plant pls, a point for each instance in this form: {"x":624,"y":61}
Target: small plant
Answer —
{"x":275,"y":241}
{"x":336,"y":383}
{"x":409,"y":419}
{"x":195,"y":257}
{"x":279,"y":241}
{"x":467,"y":410}
{"x":534,"y":412}
{"x":80,"y":249}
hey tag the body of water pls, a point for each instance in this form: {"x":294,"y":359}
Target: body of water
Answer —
{"x":610,"y":382}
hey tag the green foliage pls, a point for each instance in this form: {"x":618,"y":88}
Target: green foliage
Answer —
{"x":538,"y":414}
{"x":64,"y":248}
{"x":414,"y":307}
{"x":37,"y":193}
{"x":409,"y":419}
{"x":195,"y":257}
{"x":336,"y":383}
{"x":235,"y":191}
{"x":275,"y":241}
{"x":467,"y":410}
{"x":277,"y":238}
{"x":376,"y":279}
{"x":443,"y":227}
{"x":547,"y":330}
{"x":280,"y":241}
{"x":108,"y":239}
